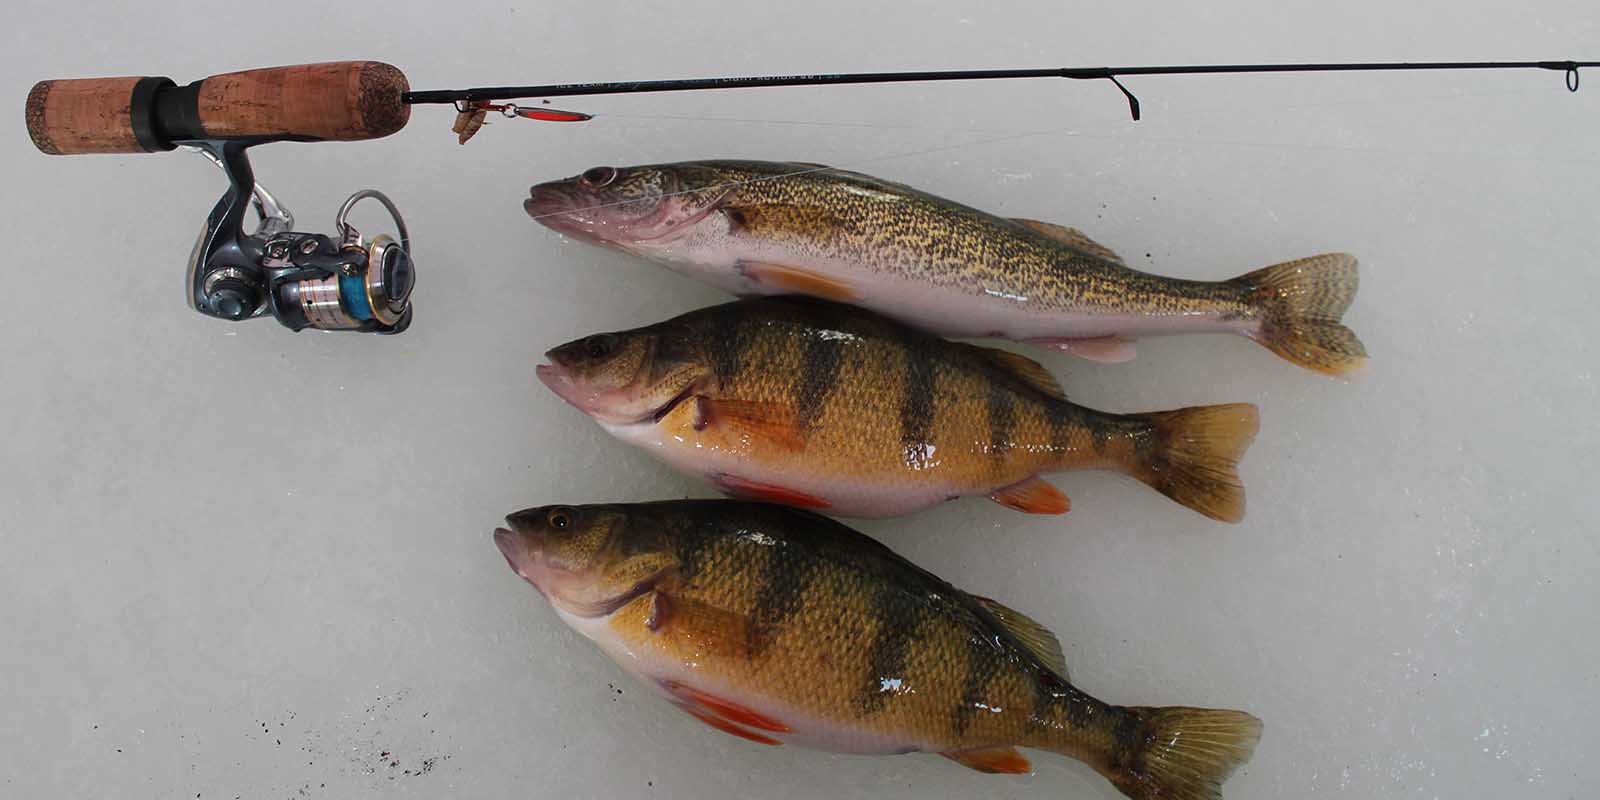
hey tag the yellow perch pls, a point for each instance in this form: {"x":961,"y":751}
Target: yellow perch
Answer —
{"x":778,"y":625}
{"x":822,"y":405}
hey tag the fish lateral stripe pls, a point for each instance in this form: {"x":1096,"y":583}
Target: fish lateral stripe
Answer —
{"x":819,"y":374}
{"x":898,"y":619}
{"x":917,"y":402}
{"x":1002,"y":419}
{"x":983,"y":662}
{"x":783,"y":587}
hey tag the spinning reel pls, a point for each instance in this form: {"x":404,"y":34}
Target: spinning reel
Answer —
{"x":343,"y":282}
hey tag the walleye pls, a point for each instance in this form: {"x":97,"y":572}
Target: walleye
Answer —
{"x":811,"y":403}
{"x":778,"y":625}
{"x":757,"y":227}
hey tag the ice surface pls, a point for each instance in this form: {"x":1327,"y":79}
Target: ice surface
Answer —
{"x":244,"y":562}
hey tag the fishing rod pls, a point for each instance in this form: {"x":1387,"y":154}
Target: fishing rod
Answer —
{"x":348,"y":281}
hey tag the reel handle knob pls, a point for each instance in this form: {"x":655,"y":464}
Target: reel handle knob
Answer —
{"x":334,"y":101}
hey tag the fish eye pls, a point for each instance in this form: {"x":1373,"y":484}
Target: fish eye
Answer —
{"x":598,"y":176}
{"x":598,"y":346}
{"x":560,"y":518}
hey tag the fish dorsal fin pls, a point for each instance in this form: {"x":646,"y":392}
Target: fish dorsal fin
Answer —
{"x":1035,"y":638}
{"x":1071,"y":237}
{"x":1026,"y":369}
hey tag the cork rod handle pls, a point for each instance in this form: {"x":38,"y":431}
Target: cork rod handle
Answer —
{"x":337,"y":101}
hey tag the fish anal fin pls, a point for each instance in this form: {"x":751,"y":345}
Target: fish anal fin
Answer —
{"x":796,"y":280}
{"x":770,"y":423}
{"x":1071,"y":237}
{"x":992,"y":760}
{"x":1036,"y":638}
{"x":1103,"y":349}
{"x":772,"y":493}
{"x":1026,"y":369}
{"x":1033,"y":495}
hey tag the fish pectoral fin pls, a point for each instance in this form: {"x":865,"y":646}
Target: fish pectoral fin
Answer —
{"x":1071,"y":237}
{"x":796,"y":280}
{"x":1029,"y":371}
{"x":770,"y":423}
{"x":1102,"y":349}
{"x":724,"y":708}
{"x":1034,"y":496}
{"x":1035,"y":638}
{"x":771,"y":493}
{"x":993,"y":760}
{"x":699,"y":627}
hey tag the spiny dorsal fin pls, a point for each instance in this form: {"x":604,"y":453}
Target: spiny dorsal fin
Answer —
{"x":1038,"y":640}
{"x":1026,"y":369}
{"x":1071,"y":237}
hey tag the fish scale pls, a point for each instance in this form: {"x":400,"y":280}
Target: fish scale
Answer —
{"x":778,"y":625}
{"x":820,"y":404}
{"x":755,"y":227}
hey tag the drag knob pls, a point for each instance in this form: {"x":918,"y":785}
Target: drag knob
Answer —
{"x":231,"y":295}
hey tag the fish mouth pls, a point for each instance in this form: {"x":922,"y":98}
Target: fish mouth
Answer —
{"x":557,"y":380}
{"x":556,"y":206}
{"x":594,"y":404}
{"x":507,"y":542}
{"x":547,"y":198}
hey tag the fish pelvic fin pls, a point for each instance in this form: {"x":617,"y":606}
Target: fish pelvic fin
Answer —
{"x":1192,"y":456}
{"x":1178,"y":753}
{"x":1302,"y":302}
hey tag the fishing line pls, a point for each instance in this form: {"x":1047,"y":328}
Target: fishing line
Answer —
{"x":478,"y":97}
{"x":468,"y":101}
{"x":1208,"y":110}
{"x":1065,"y":131}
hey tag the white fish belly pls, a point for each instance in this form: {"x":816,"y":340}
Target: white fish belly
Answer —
{"x":657,"y":673}
{"x":847,"y":496}
{"x":1000,"y":312}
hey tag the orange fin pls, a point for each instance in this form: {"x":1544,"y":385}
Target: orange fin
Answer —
{"x":740,"y":487}
{"x":796,"y":280}
{"x":726,"y":726}
{"x":1034,"y":496}
{"x":1104,"y":349}
{"x":773,"y":423}
{"x":1071,"y":237}
{"x":699,"y":627}
{"x":993,"y":760}
{"x":1029,"y":371}
{"x":725,"y":709}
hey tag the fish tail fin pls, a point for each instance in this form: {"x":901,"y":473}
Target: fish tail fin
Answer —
{"x":1301,"y":302}
{"x":1192,"y":456}
{"x":1178,"y":753}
